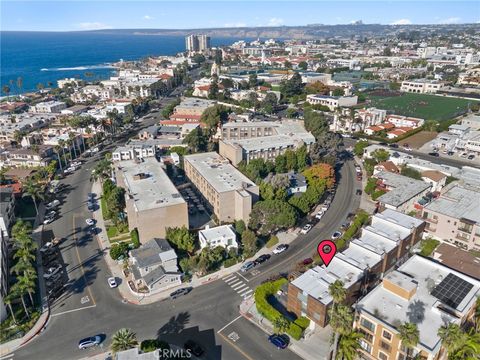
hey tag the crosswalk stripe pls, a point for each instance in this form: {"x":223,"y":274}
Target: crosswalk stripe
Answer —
{"x":229,"y":277}
{"x":246,"y":292}
{"x":232,"y":280}
{"x":241,"y":287}
{"x":238,"y":286}
{"x":247,"y":297}
{"x":236,"y":283}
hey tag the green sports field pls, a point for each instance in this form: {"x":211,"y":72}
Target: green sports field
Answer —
{"x":428,"y":107}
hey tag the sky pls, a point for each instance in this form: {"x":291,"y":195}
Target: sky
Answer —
{"x":68,"y":15}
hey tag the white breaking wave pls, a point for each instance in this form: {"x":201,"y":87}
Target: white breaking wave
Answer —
{"x":80,"y":68}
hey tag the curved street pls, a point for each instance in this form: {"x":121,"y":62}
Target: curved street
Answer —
{"x":208,"y":314}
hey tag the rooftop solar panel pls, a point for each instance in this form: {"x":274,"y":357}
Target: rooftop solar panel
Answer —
{"x":452,"y":290}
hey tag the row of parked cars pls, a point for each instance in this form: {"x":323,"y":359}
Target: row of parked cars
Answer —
{"x":53,"y":269}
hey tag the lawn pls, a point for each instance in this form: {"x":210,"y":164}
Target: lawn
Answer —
{"x":428,"y":107}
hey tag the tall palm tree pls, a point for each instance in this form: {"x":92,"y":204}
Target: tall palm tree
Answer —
{"x":73,"y":141}
{"x":6,"y":90}
{"x":469,"y":348}
{"x":123,"y":339}
{"x":451,"y":336}
{"x":338,"y":294}
{"x":8,"y":301}
{"x":34,"y":190}
{"x":28,"y":283}
{"x":341,"y":319}
{"x":24,"y":254}
{"x":21,"y":267}
{"x":409,"y":335}
{"x":21,"y":230}
{"x":348,"y":346}
{"x":19,"y":290}
{"x":57,"y":149}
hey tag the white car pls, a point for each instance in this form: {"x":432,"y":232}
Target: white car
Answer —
{"x":52,"y":271}
{"x":90,"y":222}
{"x":306,"y":229}
{"x":280,"y":248}
{"x":46,"y":247}
{"x":319,"y":215}
{"x":112,"y":282}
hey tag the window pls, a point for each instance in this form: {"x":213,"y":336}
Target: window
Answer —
{"x":386,"y":335}
{"x":365,"y":346}
{"x":366,"y":335}
{"x":382,"y":356}
{"x":385,"y":346}
{"x":367,"y":324}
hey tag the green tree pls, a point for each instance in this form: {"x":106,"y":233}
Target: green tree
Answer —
{"x":359,"y":147}
{"x":348,"y":346}
{"x":381,"y":155}
{"x":182,"y":238}
{"x":452,"y":337}
{"x":292,"y":87}
{"x":341,"y":319}
{"x":409,"y":335}
{"x":8,"y":301}
{"x":214,"y":116}
{"x":123,"y":339}
{"x":338,"y":92}
{"x":281,"y":325}
{"x":252,"y":80}
{"x":303,"y":65}
{"x":240,"y":227}
{"x":102,"y":170}
{"x":249,"y":242}
{"x":35,"y":190}
{"x":6,"y":90}
{"x":269,"y":216}
{"x":196,"y":140}
{"x":116,"y":202}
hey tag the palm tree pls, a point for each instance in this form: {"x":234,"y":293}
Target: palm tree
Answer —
{"x":123,"y":339}
{"x":451,"y":336}
{"x":61,"y":143}
{"x":341,"y":319}
{"x":73,"y":141}
{"x":409,"y":335}
{"x":6,"y":90}
{"x":28,"y":283}
{"x":19,"y":83}
{"x":476,"y":316}
{"x":8,"y":300}
{"x":34,"y":190}
{"x":469,"y":348}
{"x":19,"y":290}
{"x":24,"y":254}
{"x":348,"y":346}
{"x":281,"y":324}
{"x":102,"y":170}
{"x":57,"y":149}
{"x":21,"y":230}
{"x":338,"y":294}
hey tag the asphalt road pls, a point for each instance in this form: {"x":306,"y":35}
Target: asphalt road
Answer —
{"x":209,"y":314}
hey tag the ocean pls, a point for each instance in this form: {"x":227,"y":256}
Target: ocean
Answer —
{"x":42,"y":57}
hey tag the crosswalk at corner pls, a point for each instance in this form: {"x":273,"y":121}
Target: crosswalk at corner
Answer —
{"x":239,"y":286}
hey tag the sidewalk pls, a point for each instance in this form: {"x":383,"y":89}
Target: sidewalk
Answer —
{"x":366,"y":203}
{"x":315,"y":345}
{"x":42,"y":321}
{"x":117,"y":271}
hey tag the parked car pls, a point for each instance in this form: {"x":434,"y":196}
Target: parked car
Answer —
{"x":52,"y":205}
{"x":194,"y":348}
{"x":280,"y":249}
{"x":307,"y":261}
{"x":112,"y":282}
{"x":319,"y":214}
{"x":48,"y":258}
{"x":463,"y":155}
{"x":51,"y":271}
{"x":359,"y":192}
{"x":89,"y":342}
{"x":336,"y":235}
{"x":471,"y":157}
{"x":90,"y":222}
{"x":450,"y":153}
{"x":247,"y":266}
{"x":262,"y":258}
{"x":435,"y":154}
{"x":91,"y":196}
{"x":306,"y":229}
{"x":180,"y":292}
{"x":382,"y":144}
{"x":395,"y":146}
{"x":46,"y":247}
{"x":280,"y":341}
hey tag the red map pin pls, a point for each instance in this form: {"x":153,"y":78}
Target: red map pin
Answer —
{"x":327,"y":250}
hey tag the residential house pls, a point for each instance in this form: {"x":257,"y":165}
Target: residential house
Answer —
{"x":132,"y":152}
{"x":223,"y":236}
{"x":154,"y":266}
{"x":436,"y":178}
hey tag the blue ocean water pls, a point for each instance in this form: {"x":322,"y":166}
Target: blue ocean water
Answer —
{"x":42,"y":57}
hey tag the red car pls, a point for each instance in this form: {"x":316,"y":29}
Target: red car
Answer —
{"x":307,"y":261}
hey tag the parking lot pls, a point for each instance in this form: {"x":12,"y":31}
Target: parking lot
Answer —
{"x":198,"y":209}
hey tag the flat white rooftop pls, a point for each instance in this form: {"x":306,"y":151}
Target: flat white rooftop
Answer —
{"x":153,"y":191}
{"x":219,"y":173}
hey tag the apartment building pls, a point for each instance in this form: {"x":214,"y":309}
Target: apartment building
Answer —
{"x":197,"y":43}
{"x":191,"y":109}
{"x":30,"y":157}
{"x":3,"y":274}
{"x":423,"y":292}
{"x":152,"y":201}
{"x":48,"y":107}
{"x":230,"y":194}
{"x":421,"y":86}
{"x":404,"y":121}
{"x":402,"y":192}
{"x":262,"y":140}
{"x":7,"y":210}
{"x":370,"y":117}
{"x":132,"y":152}
{"x":332,"y":102}
{"x":454,"y":216}
{"x":382,"y":244}
{"x":350,"y":63}
{"x":23,"y":123}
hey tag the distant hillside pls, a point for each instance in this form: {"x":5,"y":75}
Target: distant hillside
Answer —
{"x":316,"y":31}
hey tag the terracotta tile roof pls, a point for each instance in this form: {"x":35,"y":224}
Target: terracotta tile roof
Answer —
{"x":434,"y":175}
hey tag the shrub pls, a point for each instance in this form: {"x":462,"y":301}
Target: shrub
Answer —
{"x":119,"y":250}
{"x":262,"y":292}
{"x":295,"y":331}
{"x":272,"y":241}
{"x":229,"y":262}
{"x":303,"y":322}
{"x":153,"y":344}
{"x":135,"y":238}
{"x":377,"y":194}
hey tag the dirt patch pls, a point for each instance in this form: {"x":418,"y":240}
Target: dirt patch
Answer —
{"x":417,"y":140}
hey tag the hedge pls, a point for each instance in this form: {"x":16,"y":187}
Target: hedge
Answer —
{"x":135,"y":238}
{"x":303,"y":322}
{"x":272,"y":241}
{"x":267,"y":289}
{"x":229,"y":262}
{"x":360,"y":219}
{"x":119,"y":250}
{"x":377,"y":194}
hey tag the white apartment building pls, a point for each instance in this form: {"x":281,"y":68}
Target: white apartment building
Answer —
{"x":131,"y":152}
{"x":421,"y":86}
{"x":332,"y":102}
{"x":48,"y":107}
{"x":404,"y":121}
{"x":223,"y":236}
{"x":371,"y":117}
{"x":350,"y":63}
